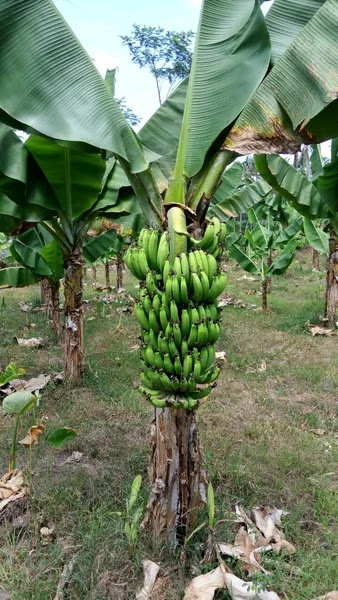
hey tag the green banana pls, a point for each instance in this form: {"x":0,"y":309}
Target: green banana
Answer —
{"x":177,"y":334}
{"x":153,"y":322}
{"x":197,"y":293}
{"x":163,"y":251}
{"x":173,"y":351}
{"x":142,"y":262}
{"x":174,"y":316}
{"x":184,"y":291}
{"x":163,"y":318}
{"x":175,"y":289}
{"x":168,"y":365}
{"x":185,"y":323}
{"x":185,"y":269}
{"x":158,"y":403}
{"x":205,"y":285}
{"x":142,"y":317}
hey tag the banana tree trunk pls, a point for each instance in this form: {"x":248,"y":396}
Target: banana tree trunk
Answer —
{"x":45,"y":295}
{"x":315,"y":260}
{"x":119,"y":271}
{"x":55,"y":307}
{"x":176,"y":474}
{"x":73,"y":312}
{"x":265,"y":288}
{"x":107,"y":273}
{"x":331,"y":299}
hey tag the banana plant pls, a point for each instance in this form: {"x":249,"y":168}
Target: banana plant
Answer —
{"x":265,"y":249}
{"x":245,"y":94}
{"x":64,"y":189}
{"x":315,"y":200}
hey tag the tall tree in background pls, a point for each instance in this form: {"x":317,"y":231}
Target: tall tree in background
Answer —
{"x":167,"y":54}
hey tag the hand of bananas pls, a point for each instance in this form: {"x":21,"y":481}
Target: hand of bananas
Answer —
{"x":178,"y":313}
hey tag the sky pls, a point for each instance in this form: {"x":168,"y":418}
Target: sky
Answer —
{"x":98,"y":25}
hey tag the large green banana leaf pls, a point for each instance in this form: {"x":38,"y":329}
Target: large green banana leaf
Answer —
{"x":36,"y":250}
{"x":283,"y":260}
{"x":292,"y":184}
{"x":52,"y":86}
{"x":243,"y":260}
{"x":241,"y":200}
{"x":96,"y":247}
{"x":316,"y":237}
{"x":327,"y":181}
{"x":75,"y":177}
{"x":13,"y":163}
{"x":297,"y":100}
{"x":231,"y":56}
{"x":16,"y":277}
{"x":285,"y":20}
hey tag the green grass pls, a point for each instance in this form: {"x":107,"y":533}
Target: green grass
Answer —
{"x":256,"y":432}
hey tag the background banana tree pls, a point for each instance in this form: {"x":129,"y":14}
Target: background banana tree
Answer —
{"x":316,"y":200}
{"x":76,"y":188}
{"x":265,"y":248}
{"x":245,"y":94}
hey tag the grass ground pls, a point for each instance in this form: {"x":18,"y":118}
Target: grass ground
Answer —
{"x":259,"y":431}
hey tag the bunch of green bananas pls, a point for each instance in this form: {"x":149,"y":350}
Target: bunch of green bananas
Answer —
{"x":178,"y":314}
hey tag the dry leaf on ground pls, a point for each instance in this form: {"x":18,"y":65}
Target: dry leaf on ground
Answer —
{"x":243,"y":590}
{"x":260,"y":534}
{"x":315,"y":330}
{"x":12,"y":487}
{"x":25,"y":306}
{"x":151,"y":571}
{"x":247,"y":278}
{"x":204,"y":587}
{"x":30,"y":343}
{"x":32,"y":436}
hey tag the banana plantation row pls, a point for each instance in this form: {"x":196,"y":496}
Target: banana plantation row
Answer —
{"x":258,"y":86}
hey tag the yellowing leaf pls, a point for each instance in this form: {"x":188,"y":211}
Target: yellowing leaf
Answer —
{"x":32,"y":437}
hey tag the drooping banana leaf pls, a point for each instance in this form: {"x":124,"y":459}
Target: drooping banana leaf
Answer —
{"x":297,"y":100}
{"x":291,"y":184}
{"x":316,"y":237}
{"x":327,"y":184}
{"x":243,"y":260}
{"x":241,"y":200}
{"x":52,"y":86}
{"x":289,"y":232}
{"x":16,"y":277}
{"x":36,"y":250}
{"x":283,"y":260}
{"x":75,"y":177}
{"x":316,"y":161}
{"x":96,"y":247}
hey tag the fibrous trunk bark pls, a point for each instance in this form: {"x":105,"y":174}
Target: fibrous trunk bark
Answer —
{"x":55,"y":308}
{"x":73,"y":312}
{"x":265,"y":284}
{"x":94,"y":271}
{"x":331,"y":298}
{"x":119,"y":272}
{"x":176,"y":474}
{"x":45,"y":295}
{"x":107,"y":273}
{"x":315,"y":260}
